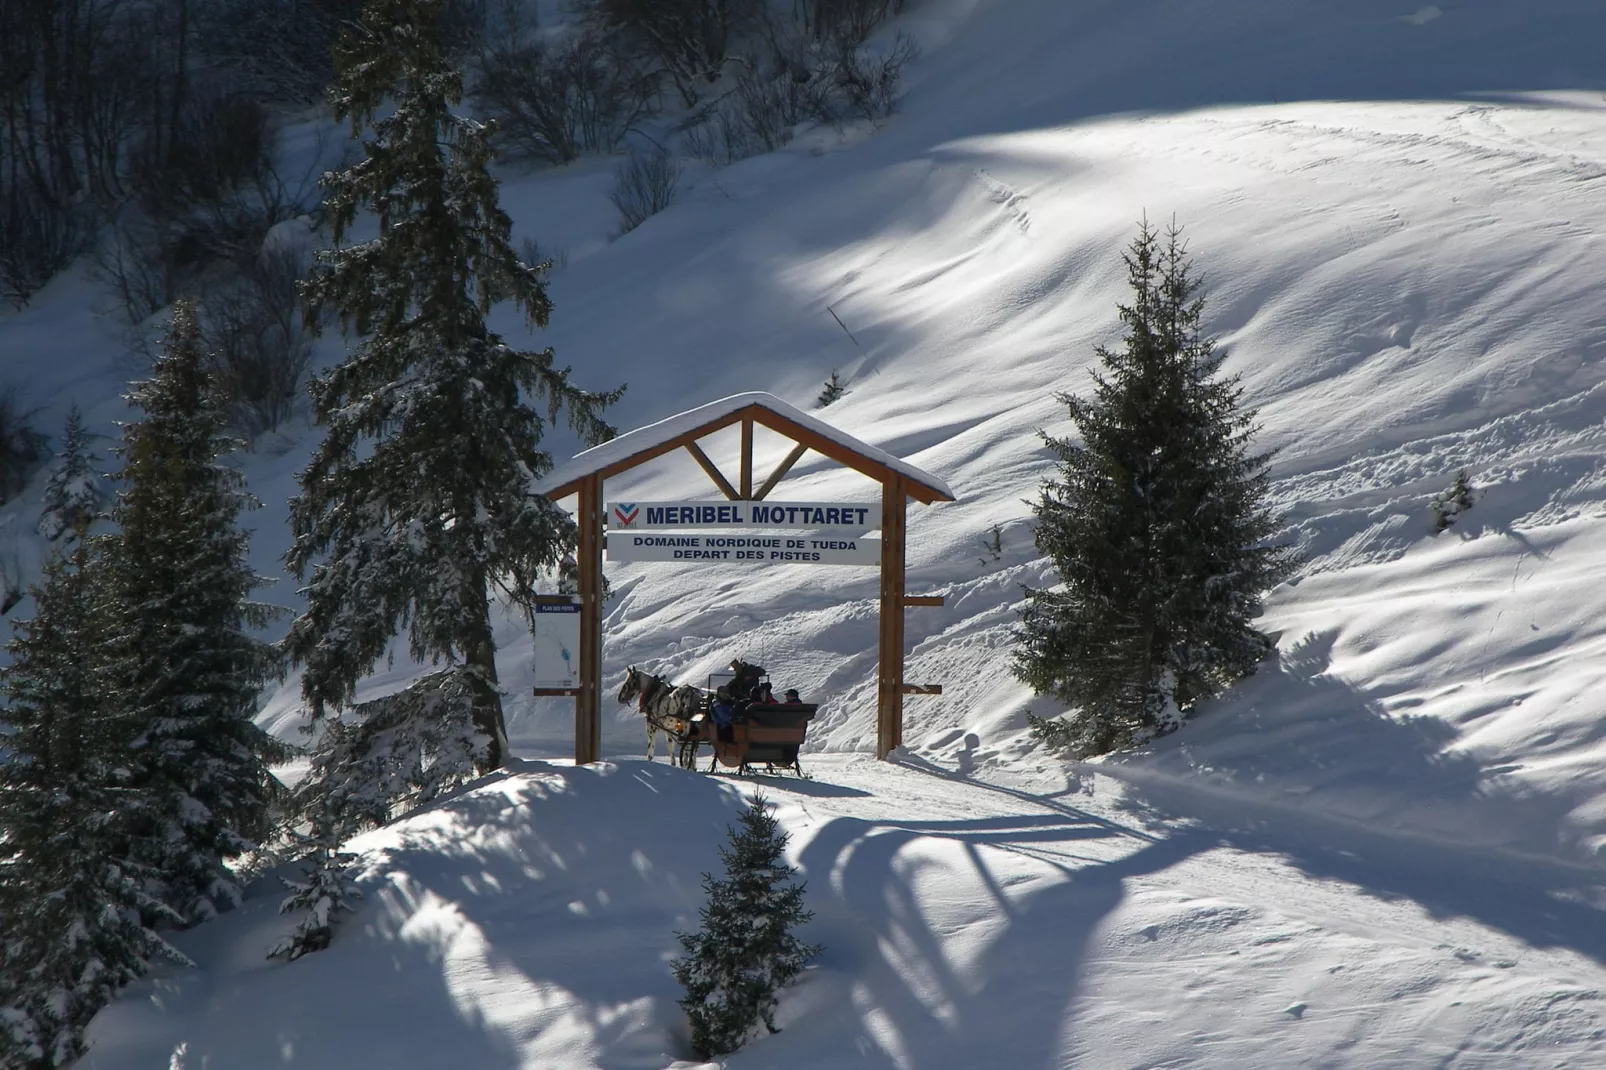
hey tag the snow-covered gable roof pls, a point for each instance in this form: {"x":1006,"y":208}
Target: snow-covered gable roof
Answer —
{"x":644,"y":443}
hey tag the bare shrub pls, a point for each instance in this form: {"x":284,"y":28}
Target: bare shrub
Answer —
{"x":22,"y":445}
{"x":801,"y":78}
{"x":256,"y":343}
{"x":690,"y":40}
{"x":12,"y":584}
{"x":553,"y":102}
{"x":173,"y":245}
{"x":720,"y":136}
{"x":868,"y":83}
{"x":852,"y":20}
{"x":135,"y":265}
{"x":546,"y":261}
{"x":284,"y":49}
{"x":221,"y":141}
{"x":643,"y":186}
{"x":37,"y":239}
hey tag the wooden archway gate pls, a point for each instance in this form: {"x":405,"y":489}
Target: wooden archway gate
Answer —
{"x":582,"y":477}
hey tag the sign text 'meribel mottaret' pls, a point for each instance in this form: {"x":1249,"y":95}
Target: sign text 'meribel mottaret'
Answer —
{"x":797,"y":516}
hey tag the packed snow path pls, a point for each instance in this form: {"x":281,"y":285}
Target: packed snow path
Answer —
{"x":1064,"y":920}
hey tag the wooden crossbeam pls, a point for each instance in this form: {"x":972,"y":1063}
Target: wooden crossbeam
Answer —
{"x":714,"y":473}
{"x":923,"y":600}
{"x":780,"y":471}
{"x":920,"y":689}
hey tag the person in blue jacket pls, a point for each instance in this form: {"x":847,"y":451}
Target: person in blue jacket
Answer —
{"x":724,"y":711}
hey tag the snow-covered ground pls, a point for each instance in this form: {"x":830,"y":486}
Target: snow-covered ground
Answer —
{"x":1384,"y":850}
{"x":1045,"y":923}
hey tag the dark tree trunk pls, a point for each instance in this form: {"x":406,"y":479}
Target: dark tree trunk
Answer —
{"x":479,"y":652}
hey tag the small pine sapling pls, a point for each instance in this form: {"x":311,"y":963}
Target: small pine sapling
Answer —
{"x":1453,"y":502}
{"x":994,"y":545}
{"x":834,"y":388}
{"x":746,"y":950}
{"x":72,"y":493}
{"x":325,"y":890}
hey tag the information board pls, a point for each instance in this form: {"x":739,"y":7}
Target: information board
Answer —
{"x":794,"y":516}
{"x":744,"y":549}
{"x":557,"y":645}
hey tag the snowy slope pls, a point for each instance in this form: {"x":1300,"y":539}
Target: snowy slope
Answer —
{"x":529,"y":924}
{"x":1399,"y":212}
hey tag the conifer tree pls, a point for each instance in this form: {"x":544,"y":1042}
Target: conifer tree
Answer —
{"x":325,"y":889}
{"x":72,"y":493}
{"x":419,"y":497}
{"x":185,"y":667}
{"x":746,"y":951}
{"x":1157,"y":523}
{"x":834,"y":388}
{"x":70,"y":899}
{"x":1447,"y":507}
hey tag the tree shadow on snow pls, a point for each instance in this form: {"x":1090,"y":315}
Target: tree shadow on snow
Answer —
{"x":910,"y":1005}
{"x":1303,"y":766}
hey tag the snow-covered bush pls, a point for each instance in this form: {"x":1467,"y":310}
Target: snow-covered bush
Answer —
{"x":643,"y":186}
{"x":395,"y":753}
{"x":325,"y":889}
{"x":745,"y":952}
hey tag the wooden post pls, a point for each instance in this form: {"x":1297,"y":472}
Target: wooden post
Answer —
{"x":889,"y":707}
{"x":588,"y":700}
{"x":747,"y":458}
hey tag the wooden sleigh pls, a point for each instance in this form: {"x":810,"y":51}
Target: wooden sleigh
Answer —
{"x":767,"y":734}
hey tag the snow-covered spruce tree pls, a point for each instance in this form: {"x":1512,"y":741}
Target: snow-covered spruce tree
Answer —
{"x":1157,"y":522}
{"x":1447,"y":507}
{"x":325,"y":889}
{"x":184,"y":667}
{"x":395,"y":753}
{"x":746,"y":951}
{"x":71,"y":904}
{"x":419,"y":497}
{"x":72,"y":493}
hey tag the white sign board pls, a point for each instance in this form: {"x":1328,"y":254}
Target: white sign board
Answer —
{"x":745,"y":549}
{"x":557,"y":645}
{"x":691,"y":516}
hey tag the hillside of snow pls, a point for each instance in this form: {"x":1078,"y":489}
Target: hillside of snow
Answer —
{"x":1399,"y":214}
